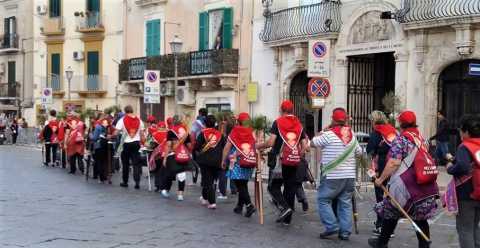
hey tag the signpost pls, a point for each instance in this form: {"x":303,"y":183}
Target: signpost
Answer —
{"x":318,"y":90}
{"x":319,"y":58}
{"x":151,"y":88}
{"x":47,"y":97}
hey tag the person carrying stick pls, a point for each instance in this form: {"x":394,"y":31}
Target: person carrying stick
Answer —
{"x":412,"y":190}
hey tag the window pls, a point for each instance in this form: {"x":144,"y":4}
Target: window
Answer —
{"x":55,"y":71}
{"x":216,"y":108}
{"x":55,"y":8}
{"x":9,"y":31}
{"x":215,"y":30}
{"x":93,"y":68}
{"x":153,"y":37}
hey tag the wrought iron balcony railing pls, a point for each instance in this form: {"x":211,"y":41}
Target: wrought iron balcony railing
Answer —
{"x":427,"y":10}
{"x":53,"y":26}
{"x":302,"y":21}
{"x":9,"y":41}
{"x":9,"y":90}
{"x":88,"y":83}
{"x":90,"y":22}
{"x":136,"y":68}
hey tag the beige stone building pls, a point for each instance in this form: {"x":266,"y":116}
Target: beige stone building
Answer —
{"x":16,"y":56}
{"x":213,"y":66}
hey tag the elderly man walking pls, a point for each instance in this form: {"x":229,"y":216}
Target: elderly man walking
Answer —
{"x":339,"y":148}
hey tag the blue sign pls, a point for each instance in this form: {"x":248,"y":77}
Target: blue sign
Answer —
{"x":319,"y":49}
{"x":474,"y":70}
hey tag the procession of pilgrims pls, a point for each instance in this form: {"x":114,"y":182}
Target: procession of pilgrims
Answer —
{"x":402,"y":170}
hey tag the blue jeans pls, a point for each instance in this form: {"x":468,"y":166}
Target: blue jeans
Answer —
{"x":441,"y":151}
{"x":341,"y":190}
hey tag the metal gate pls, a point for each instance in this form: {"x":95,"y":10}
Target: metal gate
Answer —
{"x":360,"y":92}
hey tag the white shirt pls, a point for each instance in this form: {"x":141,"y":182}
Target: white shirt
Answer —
{"x":121,"y":127}
{"x":332,"y":147}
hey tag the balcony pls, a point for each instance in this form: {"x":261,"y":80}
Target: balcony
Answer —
{"x":9,"y":93}
{"x":193,"y":65}
{"x":89,"y":86}
{"x":438,"y":12}
{"x":146,"y":3}
{"x":89,"y":22}
{"x":9,"y":43}
{"x":302,"y":22}
{"x":52,"y":26}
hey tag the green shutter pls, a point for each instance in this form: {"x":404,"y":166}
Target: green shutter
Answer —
{"x":148,"y":33}
{"x":93,"y":5}
{"x":55,"y":71}
{"x":93,"y":67}
{"x":152,"y":37}
{"x":55,"y":8}
{"x":203,"y":31}
{"x":227,"y":28}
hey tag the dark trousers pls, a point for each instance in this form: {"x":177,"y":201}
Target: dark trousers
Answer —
{"x":389,"y":225}
{"x":74,"y":161}
{"x":243,"y":195}
{"x":379,"y":198}
{"x":14,"y":138}
{"x":209,"y":174}
{"x":130,"y":154}
{"x":169,"y":174}
{"x":159,"y":169}
{"x":51,"y":149}
{"x":300,"y":193}
{"x":101,"y":160}
{"x":286,"y":199}
{"x":223,"y":182}
{"x":64,"y":158}
{"x":468,"y":219}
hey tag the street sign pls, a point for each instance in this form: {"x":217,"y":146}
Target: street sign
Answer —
{"x":318,"y":102}
{"x":252,"y":92}
{"x":319,"y":58}
{"x":47,"y":96}
{"x":474,"y":70}
{"x":319,"y":87}
{"x":151,"y":86}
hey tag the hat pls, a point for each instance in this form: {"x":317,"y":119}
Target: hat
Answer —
{"x":339,"y":115}
{"x":407,"y":117}
{"x":287,"y":106}
{"x":243,"y":117}
{"x":151,"y":119}
{"x":161,"y":124}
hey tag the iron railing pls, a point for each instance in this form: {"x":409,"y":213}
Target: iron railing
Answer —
{"x":201,"y":62}
{"x":9,"y":90}
{"x":9,"y":41}
{"x":426,"y":10}
{"x":90,"y":21}
{"x":136,"y":68}
{"x":91,"y":83}
{"x":302,"y":21}
{"x":52,"y":25}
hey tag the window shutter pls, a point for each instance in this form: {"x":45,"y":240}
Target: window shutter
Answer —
{"x":55,"y":8}
{"x":227,"y":28}
{"x":93,"y":68}
{"x":155,"y":37}
{"x":148,"y":38}
{"x":203,"y":31}
{"x":55,"y":71}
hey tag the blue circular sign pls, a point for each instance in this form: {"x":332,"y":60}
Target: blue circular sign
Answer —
{"x":319,"y":49}
{"x":152,"y":76}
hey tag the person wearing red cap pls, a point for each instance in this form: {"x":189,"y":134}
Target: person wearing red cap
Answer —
{"x":157,"y":145}
{"x":339,"y":149}
{"x":49,"y":135}
{"x":289,"y":143}
{"x":241,"y":154}
{"x":412,"y":182}
{"x":209,"y":146}
{"x":75,"y":143}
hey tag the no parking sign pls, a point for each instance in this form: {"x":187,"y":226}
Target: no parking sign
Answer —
{"x":318,"y":91}
{"x":318,"y":58}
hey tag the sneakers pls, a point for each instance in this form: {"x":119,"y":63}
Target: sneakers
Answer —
{"x":378,"y":230}
{"x":137,"y":186}
{"x":238,"y":209}
{"x":203,"y":201}
{"x":165,"y":194}
{"x":125,"y":185}
{"x":250,"y":210}
{"x":284,"y":214}
{"x":222,"y":197}
{"x":180,"y":198}
{"x":212,"y":206}
{"x":327,"y":234}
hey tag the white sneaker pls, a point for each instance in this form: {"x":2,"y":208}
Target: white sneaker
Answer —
{"x":165,"y":194}
{"x":179,"y":197}
{"x":212,"y":206}
{"x":222,"y":197}
{"x":203,"y":201}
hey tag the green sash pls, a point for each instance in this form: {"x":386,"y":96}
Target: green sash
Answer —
{"x":341,"y":159}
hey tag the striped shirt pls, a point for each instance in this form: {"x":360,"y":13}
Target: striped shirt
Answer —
{"x":332,"y":147}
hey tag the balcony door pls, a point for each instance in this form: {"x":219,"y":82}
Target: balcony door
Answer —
{"x":55,"y":8}
{"x":55,"y":72}
{"x":93,"y":68}
{"x":9,"y":29}
{"x":12,"y":79}
{"x":215,"y":29}
{"x":93,"y":10}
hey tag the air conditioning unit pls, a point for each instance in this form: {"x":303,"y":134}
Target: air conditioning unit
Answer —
{"x":184,"y":95}
{"x":2,"y":68}
{"x":78,"y":55}
{"x":41,"y":9}
{"x":167,"y":89}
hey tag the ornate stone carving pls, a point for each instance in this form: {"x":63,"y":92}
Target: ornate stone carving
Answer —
{"x":369,"y":28}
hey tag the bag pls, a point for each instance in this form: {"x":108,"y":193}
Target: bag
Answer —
{"x":290,"y":156}
{"x":182,"y":155}
{"x":247,"y":159}
{"x":425,"y":167}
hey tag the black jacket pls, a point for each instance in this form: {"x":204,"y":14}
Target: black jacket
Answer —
{"x":462,"y":166}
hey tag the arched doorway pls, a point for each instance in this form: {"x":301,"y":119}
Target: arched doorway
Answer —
{"x":299,"y":97}
{"x":458,"y":93}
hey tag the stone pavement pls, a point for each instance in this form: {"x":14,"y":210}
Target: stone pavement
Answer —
{"x":46,"y":207}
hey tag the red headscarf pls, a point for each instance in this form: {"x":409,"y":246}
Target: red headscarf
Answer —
{"x":132,"y":124}
{"x":212,"y":136}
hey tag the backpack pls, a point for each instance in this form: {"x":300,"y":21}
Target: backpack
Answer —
{"x":290,"y":156}
{"x":182,"y":156}
{"x":247,"y":159}
{"x":424,"y":165}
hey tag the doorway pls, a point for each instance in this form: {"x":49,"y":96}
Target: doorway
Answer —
{"x":458,"y":94}
{"x":370,"y":78}
{"x":302,"y":103}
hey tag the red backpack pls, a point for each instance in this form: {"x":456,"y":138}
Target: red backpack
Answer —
{"x":425,"y":167}
{"x":290,"y":156}
{"x":182,"y":156}
{"x":244,"y":142}
{"x":473,"y":146}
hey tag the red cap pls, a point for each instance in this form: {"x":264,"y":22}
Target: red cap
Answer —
{"x":169,"y":122}
{"x":243,"y":117}
{"x":151,"y":119}
{"x":161,"y":124}
{"x":407,"y":117}
{"x":287,"y":106}
{"x":339,"y":114}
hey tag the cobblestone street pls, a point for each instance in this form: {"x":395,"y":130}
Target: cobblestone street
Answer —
{"x":46,"y":207}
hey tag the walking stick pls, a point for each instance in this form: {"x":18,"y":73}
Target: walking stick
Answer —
{"x":405,"y":214}
{"x":109,"y":162}
{"x":259,"y":189}
{"x":355,"y":213}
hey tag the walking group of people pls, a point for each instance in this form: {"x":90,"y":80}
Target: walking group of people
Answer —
{"x":403,"y":171}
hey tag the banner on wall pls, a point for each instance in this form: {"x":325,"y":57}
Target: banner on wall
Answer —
{"x":319,"y":58}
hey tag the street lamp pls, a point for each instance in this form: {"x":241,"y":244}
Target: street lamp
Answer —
{"x":176,"y":47}
{"x":69,"y":75}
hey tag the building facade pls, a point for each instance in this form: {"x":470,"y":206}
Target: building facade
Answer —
{"x":16,"y":56}
{"x":213,"y":67}
{"x":423,"y":52}
{"x":84,"y":37}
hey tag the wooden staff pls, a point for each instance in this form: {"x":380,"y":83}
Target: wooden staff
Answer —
{"x":109,"y":162}
{"x":259,"y":188}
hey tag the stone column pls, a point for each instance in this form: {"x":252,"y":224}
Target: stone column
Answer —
{"x":401,"y":73}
